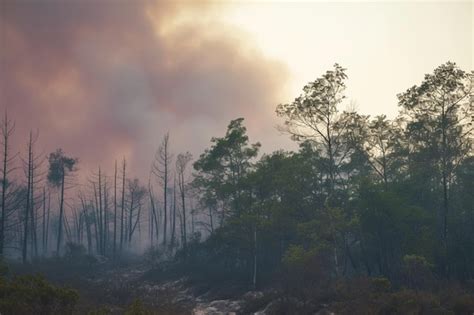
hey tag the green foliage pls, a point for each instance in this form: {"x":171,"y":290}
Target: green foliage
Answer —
{"x":297,"y":257}
{"x":137,"y":308}
{"x":361,"y":197}
{"x":220,"y":169}
{"x":381,"y":284}
{"x":417,"y":272}
{"x":3,"y":268}
{"x":34,"y":295}
{"x":59,"y":166}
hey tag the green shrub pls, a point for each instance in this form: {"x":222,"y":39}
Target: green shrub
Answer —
{"x":417,"y":272}
{"x":137,"y":308}
{"x":32,"y":294}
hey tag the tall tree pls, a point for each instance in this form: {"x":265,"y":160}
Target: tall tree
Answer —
{"x":173,"y":216}
{"x":122,"y":206}
{"x":383,"y":143}
{"x":60,"y":166}
{"x":161,"y":169}
{"x":181,"y":163}
{"x":315,"y":116}
{"x":31,"y":168}
{"x":439,"y":126}
{"x":154,"y":214}
{"x":136,"y":195}
{"x":115,"y":211}
{"x":28,"y":199}
{"x":7,"y":127}
{"x":219,"y":171}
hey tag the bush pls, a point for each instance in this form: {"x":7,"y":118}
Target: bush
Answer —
{"x":137,"y":308}
{"x":416,"y":272}
{"x":34,"y":295}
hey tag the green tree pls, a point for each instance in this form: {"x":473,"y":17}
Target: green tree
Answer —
{"x":219,"y":171}
{"x":60,"y":166}
{"x":439,"y":128}
{"x":315,"y":116}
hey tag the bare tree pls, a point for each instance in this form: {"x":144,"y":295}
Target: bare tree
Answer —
{"x":136,"y":194}
{"x":181,"y":163}
{"x":32,"y":165}
{"x":115,"y":211}
{"x":161,"y":169}
{"x":122,"y":222}
{"x":173,"y":216}
{"x":7,"y":128}
{"x":154,"y":215}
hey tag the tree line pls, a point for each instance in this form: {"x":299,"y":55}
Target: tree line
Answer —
{"x":45,"y":207}
{"x":361,"y":196}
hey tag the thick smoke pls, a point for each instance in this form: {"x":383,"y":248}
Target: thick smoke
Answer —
{"x":106,"y":79}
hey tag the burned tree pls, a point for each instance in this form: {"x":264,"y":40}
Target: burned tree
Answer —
{"x":181,"y":163}
{"x":7,"y":128}
{"x":161,"y":169}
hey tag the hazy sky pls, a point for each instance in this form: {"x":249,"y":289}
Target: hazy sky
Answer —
{"x":105,"y":79}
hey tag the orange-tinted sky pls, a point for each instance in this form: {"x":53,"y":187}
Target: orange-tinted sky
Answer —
{"x":104,"y":79}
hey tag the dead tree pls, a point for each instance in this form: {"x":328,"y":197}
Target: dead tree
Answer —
{"x":181,"y":163}
{"x":161,"y":169}
{"x":115,"y":211}
{"x":31,"y":166}
{"x":136,"y":194}
{"x":122,"y":222}
{"x":154,"y":215}
{"x":173,"y":216}
{"x":7,"y":128}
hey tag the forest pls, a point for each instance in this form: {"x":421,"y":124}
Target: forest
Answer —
{"x":370,"y":215}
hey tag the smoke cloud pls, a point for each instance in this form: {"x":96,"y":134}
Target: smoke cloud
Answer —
{"x":106,"y":79}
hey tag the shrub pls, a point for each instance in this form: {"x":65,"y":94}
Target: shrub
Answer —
{"x":137,"y":308}
{"x":32,"y":294}
{"x":416,"y":272}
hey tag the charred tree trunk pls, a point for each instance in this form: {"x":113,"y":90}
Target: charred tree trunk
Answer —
{"x":122,"y":222}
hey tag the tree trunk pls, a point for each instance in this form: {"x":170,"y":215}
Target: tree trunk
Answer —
{"x":122,"y":208}
{"x":5,"y":134}
{"x":115,"y":211}
{"x":255,"y":257}
{"x":183,"y":205}
{"x":173,"y":222}
{"x":61,"y":213}
{"x":27,"y":210}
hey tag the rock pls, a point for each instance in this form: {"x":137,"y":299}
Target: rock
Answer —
{"x":219,"y":307}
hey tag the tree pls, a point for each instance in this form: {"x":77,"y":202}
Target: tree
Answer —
{"x":219,"y":171}
{"x":115,"y":210}
{"x":439,"y":126}
{"x":154,"y":224}
{"x":60,"y":166}
{"x":382,"y":143}
{"x":122,"y":206}
{"x":314,"y":116}
{"x":136,"y":194}
{"x":31,"y":166}
{"x":182,"y":161}
{"x":161,"y":169}
{"x":7,"y":127}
